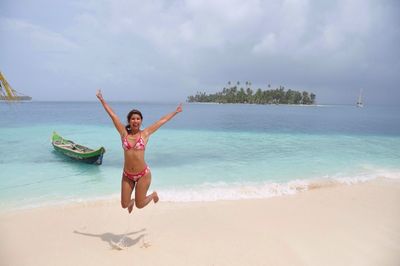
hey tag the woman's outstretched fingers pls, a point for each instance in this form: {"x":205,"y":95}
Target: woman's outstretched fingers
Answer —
{"x":99,"y":95}
{"x":179,"y":108}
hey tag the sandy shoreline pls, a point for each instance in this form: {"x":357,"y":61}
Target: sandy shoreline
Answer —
{"x":338,"y":225}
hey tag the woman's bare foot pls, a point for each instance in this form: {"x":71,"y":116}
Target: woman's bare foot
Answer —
{"x":130,"y":207}
{"x":155,"y":197}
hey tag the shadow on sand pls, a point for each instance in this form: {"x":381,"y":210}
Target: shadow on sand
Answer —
{"x":111,"y":238}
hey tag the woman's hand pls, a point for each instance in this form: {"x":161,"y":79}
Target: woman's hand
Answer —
{"x":179,"y":108}
{"x":99,"y":95}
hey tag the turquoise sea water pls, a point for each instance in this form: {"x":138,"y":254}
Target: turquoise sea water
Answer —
{"x":208,"y":152}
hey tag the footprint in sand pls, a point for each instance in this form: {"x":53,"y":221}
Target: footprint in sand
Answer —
{"x":146,"y":245}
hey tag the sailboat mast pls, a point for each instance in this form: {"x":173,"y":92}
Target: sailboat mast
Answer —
{"x":9,"y":92}
{"x":359,"y":101}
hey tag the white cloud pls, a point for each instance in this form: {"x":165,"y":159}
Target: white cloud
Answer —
{"x":167,"y":25}
{"x":171,"y":44}
{"x":40,"y":39}
{"x":268,"y":45}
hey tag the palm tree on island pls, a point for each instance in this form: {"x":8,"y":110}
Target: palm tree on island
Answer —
{"x":235,"y":94}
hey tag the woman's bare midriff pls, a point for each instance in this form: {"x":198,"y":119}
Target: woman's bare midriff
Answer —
{"x":134,"y":161}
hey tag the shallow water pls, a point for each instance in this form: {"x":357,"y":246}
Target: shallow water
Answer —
{"x":208,"y":152}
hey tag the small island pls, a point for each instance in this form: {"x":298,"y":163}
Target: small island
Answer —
{"x":235,"y":93}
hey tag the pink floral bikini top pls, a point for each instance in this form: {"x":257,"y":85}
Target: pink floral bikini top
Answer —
{"x":139,"y":144}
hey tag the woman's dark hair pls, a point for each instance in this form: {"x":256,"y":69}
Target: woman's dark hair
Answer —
{"x":128,"y":117}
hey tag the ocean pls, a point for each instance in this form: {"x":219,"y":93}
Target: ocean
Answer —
{"x":208,"y":152}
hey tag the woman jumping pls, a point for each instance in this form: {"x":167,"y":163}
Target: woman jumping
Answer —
{"x":136,"y":173}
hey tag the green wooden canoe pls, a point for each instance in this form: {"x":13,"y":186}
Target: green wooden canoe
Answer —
{"x":77,"y":151}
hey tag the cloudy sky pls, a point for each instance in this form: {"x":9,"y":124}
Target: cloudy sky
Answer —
{"x":166,"y":50}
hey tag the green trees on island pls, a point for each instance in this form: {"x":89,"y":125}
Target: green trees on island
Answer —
{"x":233,"y":94}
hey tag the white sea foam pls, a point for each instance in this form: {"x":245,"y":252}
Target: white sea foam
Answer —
{"x":237,"y":191}
{"x":207,"y":192}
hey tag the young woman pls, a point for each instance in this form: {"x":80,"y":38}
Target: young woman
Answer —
{"x":136,"y":174}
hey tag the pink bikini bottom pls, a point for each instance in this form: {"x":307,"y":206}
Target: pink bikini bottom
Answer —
{"x":135,"y":177}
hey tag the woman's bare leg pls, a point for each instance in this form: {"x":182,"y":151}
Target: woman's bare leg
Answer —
{"x":127,"y":187}
{"x":143,"y":184}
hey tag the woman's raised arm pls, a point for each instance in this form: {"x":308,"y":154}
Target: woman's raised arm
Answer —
{"x":117,"y":123}
{"x":153,"y":128}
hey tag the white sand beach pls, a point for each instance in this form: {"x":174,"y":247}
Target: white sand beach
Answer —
{"x":337,"y":225}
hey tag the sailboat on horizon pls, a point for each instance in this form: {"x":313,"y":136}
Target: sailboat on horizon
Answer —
{"x":359,"y":100}
{"x":7,"y":93}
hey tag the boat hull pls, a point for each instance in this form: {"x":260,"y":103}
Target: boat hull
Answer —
{"x":76,"y":151}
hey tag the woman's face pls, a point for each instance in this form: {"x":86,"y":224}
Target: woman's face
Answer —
{"x":135,"y":122}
